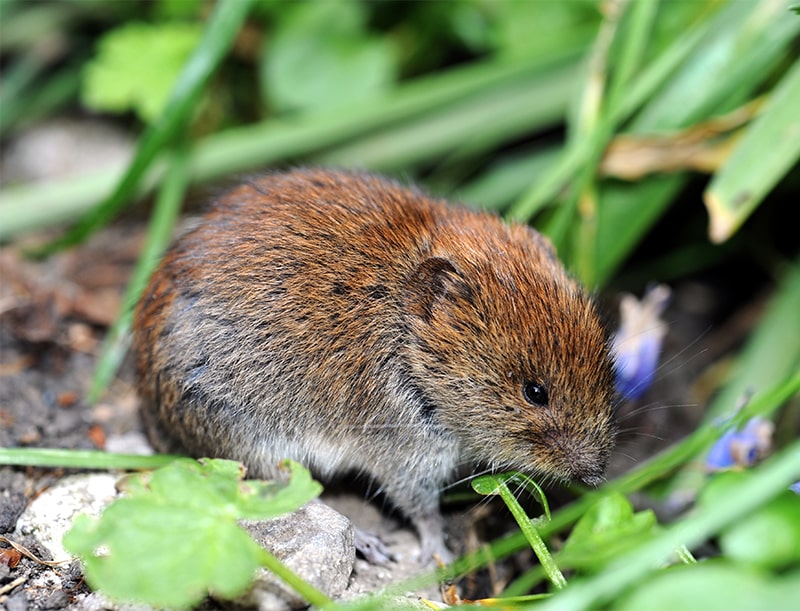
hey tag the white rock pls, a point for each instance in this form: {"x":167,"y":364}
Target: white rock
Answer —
{"x":50,"y":515}
{"x":133,"y":442}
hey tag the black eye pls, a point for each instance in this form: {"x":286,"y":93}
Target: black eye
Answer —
{"x":535,"y":393}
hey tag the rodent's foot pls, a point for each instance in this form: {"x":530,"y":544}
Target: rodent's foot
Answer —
{"x":431,"y":534}
{"x":435,"y":553}
{"x":372,"y":548}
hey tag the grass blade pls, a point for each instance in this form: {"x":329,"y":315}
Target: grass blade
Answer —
{"x":223,"y":25}
{"x":159,"y":234}
{"x":81,"y":459}
{"x":768,"y":149}
{"x":251,"y":146}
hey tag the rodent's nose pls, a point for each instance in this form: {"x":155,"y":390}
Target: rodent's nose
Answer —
{"x":589,"y":470}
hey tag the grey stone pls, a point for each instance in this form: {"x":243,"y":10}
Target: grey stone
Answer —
{"x":17,"y":602}
{"x":315,"y":542}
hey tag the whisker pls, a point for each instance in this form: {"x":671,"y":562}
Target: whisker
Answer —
{"x":633,"y":432}
{"x":465,"y":479}
{"x":630,"y":457}
{"x":653,"y":407}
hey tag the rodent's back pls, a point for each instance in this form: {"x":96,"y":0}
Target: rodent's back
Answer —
{"x":285,"y":291}
{"x":345,"y":321}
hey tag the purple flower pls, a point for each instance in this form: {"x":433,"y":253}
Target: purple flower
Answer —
{"x":637,"y":342}
{"x":742,"y":448}
{"x":795,"y":487}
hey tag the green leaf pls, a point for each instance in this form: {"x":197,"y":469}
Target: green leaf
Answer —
{"x":605,"y":530}
{"x":322,"y":58}
{"x":623,"y":220}
{"x":629,"y":569}
{"x":768,"y":538}
{"x":121,"y":77}
{"x":174,"y":537}
{"x":81,"y":459}
{"x":713,"y":586}
{"x":742,"y":45}
{"x":524,"y":28}
{"x":769,"y":148}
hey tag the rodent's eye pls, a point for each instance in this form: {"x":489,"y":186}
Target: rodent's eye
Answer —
{"x":535,"y":393}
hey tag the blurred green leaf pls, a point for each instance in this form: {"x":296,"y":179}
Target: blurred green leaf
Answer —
{"x":713,"y":586}
{"x":495,"y":115}
{"x":505,"y":179}
{"x":646,"y":83}
{"x":122,"y":77}
{"x":743,"y":43}
{"x":177,"y":9}
{"x":221,"y":29}
{"x":81,"y":459}
{"x":769,"y":148}
{"x":322,"y":57}
{"x":625,"y":213}
{"x":524,"y":28}
{"x":768,"y":538}
{"x":159,"y":234}
{"x":607,"y":528}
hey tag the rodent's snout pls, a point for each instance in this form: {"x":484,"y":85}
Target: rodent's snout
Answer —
{"x":587,"y":468}
{"x":584,"y":459}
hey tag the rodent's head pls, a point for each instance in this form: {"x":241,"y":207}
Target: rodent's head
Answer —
{"x":511,"y":352}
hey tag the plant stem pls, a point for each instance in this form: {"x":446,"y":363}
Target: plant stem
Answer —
{"x":532,"y":535}
{"x":81,"y":459}
{"x":159,"y":233}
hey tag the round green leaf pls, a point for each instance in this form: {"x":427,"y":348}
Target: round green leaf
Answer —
{"x":122,"y":76}
{"x":768,"y":538}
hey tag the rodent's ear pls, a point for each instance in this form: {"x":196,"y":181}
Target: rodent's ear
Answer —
{"x":435,"y":280}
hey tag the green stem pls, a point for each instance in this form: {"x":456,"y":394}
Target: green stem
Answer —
{"x":81,"y":459}
{"x":532,"y":535}
{"x":159,"y":233}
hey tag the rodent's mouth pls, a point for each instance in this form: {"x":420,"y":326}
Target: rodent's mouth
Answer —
{"x":587,"y":470}
{"x":592,"y":479}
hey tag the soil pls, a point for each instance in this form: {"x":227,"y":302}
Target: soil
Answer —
{"x":53,"y":319}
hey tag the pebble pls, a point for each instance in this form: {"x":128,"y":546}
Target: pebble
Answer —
{"x":49,"y":516}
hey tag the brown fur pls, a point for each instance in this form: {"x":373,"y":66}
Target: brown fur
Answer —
{"x":351,"y":324}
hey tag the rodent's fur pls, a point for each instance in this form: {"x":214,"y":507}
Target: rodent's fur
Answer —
{"x":352,"y":324}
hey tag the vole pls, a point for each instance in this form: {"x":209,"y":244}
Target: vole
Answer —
{"x":356,"y":325}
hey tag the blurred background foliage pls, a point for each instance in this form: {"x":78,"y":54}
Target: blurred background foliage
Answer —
{"x":590,"y":119}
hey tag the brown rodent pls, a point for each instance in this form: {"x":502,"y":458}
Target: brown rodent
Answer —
{"x":351,"y":324}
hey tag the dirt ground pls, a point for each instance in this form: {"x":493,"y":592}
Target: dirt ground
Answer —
{"x":53,"y":318}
